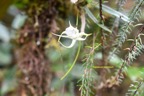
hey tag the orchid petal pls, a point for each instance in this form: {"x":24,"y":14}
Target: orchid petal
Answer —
{"x":61,"y":36}
{"x":86,"y":34}
{"x":70,"y":46}
{"x":65,"y":36}
{"x":81,"y":39}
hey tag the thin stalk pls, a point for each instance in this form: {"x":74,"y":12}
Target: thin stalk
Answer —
{"x":74,"y":62}
{"x":134,"y":94}
{"x":101,"y":31}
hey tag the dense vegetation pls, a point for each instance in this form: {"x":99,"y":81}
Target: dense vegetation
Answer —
{"x":71,"y":48}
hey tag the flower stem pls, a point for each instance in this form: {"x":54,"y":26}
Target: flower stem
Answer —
{"x":74,"y":62}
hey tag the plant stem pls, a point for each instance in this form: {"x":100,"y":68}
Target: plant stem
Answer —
{"x":74,"y":62}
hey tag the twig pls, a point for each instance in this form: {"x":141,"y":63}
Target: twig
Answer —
{"x":101,"y":30}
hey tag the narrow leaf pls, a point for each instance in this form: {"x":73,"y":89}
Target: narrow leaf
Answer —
{"x":95,"y":20}
{"x":114,"y":12}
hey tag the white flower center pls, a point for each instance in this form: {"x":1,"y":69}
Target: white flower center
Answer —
{"x":71,"y":31}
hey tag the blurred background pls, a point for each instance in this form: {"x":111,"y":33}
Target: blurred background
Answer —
{"x":32,"y":61}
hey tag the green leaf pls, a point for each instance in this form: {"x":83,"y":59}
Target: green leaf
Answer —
{"x":114,"y":12}
{"x":89,"y":1}
{"x":135,"y":73}
{"x":115,"y":60}
{"x":4,"y":33}
{"x":9,"y":83}
{"x":5,"y":56}
{"x":95,"y":20}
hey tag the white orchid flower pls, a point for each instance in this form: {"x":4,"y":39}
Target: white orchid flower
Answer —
{"x":73,"y":34}
{"x":74,"y":1}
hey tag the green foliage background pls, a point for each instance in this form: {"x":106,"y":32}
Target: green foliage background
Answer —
{"x":32,"y":62}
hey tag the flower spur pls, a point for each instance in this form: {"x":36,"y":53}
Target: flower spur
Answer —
{"x":73,"y":34}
